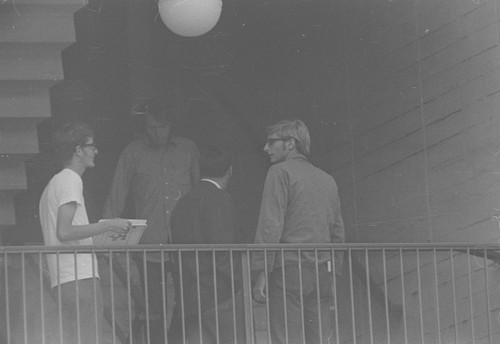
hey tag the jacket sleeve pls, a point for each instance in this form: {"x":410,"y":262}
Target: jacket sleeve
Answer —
{"x":272,"y":216}
{"x":337,"y":232}
{"x":195,"y":166}
{"x":337,"y":235}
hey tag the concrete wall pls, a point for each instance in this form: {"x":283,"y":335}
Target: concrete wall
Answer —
{"x":423,"y":96}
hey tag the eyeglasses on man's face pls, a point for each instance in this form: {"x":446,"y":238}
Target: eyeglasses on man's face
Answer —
{"x":141,"y":109}
{"x":272,"y":140}
{"x":92,"y":145}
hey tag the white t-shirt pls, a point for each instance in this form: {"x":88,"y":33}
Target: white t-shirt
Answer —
{"x":66,"y":186}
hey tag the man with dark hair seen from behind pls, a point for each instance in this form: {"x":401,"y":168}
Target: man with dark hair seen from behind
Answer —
{"x":207,"y":216}
{"x":64,"y":222}
{"x":157,"y":170}
{"x":300,"y":204}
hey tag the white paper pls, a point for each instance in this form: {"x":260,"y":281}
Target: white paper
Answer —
{"x":133,"y":236}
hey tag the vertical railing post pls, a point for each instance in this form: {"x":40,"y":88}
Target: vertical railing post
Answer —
{"x":247,"y":297}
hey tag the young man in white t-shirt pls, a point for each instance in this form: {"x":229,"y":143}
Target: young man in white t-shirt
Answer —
{"x":65,"y":223}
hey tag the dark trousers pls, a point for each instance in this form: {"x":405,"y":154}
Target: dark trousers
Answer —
{"x":312,"y":323}
{"x":82,"y":313}
{"x":155,"y":278}
{"x":201,"y":299}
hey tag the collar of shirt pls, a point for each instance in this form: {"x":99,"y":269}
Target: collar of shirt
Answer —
{"x":174,"y":141}
{"x":213,"y":182}
{"x":297,"y":155}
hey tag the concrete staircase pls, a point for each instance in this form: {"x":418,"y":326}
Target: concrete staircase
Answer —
{"x":32,"y":35}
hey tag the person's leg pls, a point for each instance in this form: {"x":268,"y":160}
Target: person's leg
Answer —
{"x":225,"y":324}
{"x":313,"y":309}
{"x":175,"y":331}
{"x":196,"y":334}
{"x":85,"y":326}
{"x":153,"y":281}
{"x":186,"y":304}
{"x":66,"y":296}
{"x":285,"y":322}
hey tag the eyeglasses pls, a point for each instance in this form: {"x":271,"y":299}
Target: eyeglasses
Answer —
{"x":93,"y":145}
{"x":141,"y":110}
{"x":270,"y":141}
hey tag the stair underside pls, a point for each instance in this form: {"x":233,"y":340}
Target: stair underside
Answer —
{"x":7,"y":211}
{"x":25,"y":99}
{"x":37,"y":22}
{"x":33,"y":33}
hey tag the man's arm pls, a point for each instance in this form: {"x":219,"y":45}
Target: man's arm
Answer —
{"x":337,"y":235}
{"x":118,"y":192}
{"x":271,"y":216}
{"x":337,"y":232}
{"x":269,"y":227}
{"x":66,"y":231}
{"x":195,"y":166}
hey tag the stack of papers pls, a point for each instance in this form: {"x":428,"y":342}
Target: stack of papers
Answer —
{"x":125,"y":239}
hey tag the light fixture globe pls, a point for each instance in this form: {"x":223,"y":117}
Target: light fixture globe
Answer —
{"x":190,"y":18}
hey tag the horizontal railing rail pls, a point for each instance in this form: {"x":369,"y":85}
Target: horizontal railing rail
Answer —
{"x":253,"y":247}
{"x":379,"y":292}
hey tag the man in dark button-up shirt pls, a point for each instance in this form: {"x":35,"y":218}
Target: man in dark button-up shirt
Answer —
{"x":156,"y":170}
{"x":300,"y":204}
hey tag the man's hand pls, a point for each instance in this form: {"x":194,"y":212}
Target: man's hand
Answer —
{"x":259,"y":289}
{"x":119,"y":226}
{"x":66,"y":231}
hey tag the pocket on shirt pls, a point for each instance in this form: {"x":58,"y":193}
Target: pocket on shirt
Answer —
{"x":183,"y":177}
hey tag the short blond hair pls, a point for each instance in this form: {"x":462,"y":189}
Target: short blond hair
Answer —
{"x":295,"y":129}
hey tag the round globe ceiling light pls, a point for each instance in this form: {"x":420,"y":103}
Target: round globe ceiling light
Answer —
{"x":190,"y":18}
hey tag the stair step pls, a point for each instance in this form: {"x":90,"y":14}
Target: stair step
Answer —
{"x":33,"y":35}
{"x":38,"y":23}
{"x":7,"y":211}
{"x":31,"y":61}
{"x":25,"y":98}
{"x":18,"y":136}
{"x":13,"y":174}
{"x":82,"y":3}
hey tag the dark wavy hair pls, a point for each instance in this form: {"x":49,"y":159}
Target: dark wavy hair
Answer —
{"x":214,"y":162}
{"x":67,"y":137}
{"x":161,"y":110}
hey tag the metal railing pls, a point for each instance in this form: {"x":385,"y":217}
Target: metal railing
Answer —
{"x":382,"y":293}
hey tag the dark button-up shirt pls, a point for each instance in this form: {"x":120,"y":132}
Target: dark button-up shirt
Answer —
{"x":156,"y":177}
{"x":300,"y":204}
